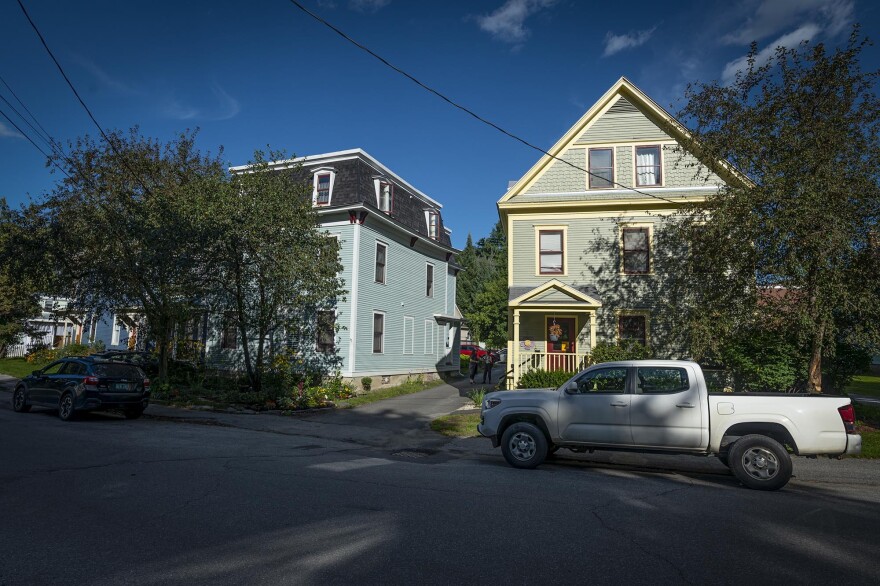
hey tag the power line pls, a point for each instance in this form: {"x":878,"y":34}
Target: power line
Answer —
{"x":82,"y":103}
{"x":36,"y":146}
{"x":48,"y":137}
{"x":463,"y":108}
{"x":26,"y":121}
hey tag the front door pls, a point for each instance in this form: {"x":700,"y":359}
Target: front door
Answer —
{"x":40,"y":390}
{"x":561,"y":340}
{"x":597,"y":411}
{"x":666,"y":409}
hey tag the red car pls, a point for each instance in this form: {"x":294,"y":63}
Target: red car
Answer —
{"x":469,"y":348}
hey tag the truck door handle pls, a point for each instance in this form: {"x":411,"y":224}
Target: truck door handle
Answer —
{"x":686,"y":405}
{"x":618,"y":404}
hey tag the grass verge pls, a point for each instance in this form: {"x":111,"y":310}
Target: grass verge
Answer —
{"x":868,"y":425}
{"x":457,"y":425}
{"x":18,"y":367}
{"x":865,"y":384}
{"x":406,"y":388}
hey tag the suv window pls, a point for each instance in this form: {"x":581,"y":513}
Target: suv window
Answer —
{"x":604,"y":380}
{"x":54,"y":368}
{"x":657,"y":380}
{"x":75,"y":368}
{"x":117,"y":371}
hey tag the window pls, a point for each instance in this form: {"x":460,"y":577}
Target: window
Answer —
{"x":229,"y":336}
{"x":381,"y":252}
{"x":326,"y":332}
{"x":604,"y":380}
{"x":429,"y":336}
{"x":654,"y":380}
{"x":323,"y":189}
{"x":75,"y":369}
{"x":429,"y":286}
{"x":648,"y":168}
{"x":601,"y":168}
{"x":633,"y":328}
{"x":552,"y":256}
{"x":386,"y":196}
{"x":636,"y":250}
{"x":408,"y":334}
{"x":433,"y":224}
{"x":378,"y":333}
{"x":54,"y":368}
{"x":48,"y":305}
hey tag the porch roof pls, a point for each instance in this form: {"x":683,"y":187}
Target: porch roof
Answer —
{"x":554,"y":293}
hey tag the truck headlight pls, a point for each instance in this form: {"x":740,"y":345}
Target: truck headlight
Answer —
{"x":491,"y":403}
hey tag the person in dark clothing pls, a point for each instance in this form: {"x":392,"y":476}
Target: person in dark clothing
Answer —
{"x":474,"y":364}
{"x":488,"y":363}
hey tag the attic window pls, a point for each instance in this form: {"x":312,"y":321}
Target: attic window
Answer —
{"x":386,"y":196}
{"x":323,"y":186}
{"x":433,"y":224}
{"x":601,"y":168}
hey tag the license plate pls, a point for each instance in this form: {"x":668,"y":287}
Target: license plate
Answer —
{"x":121,"y":387}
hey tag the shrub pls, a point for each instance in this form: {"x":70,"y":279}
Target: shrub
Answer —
{"x":847,"y":362}
{"x":540,"y":379}
{"x":366,"y":383}
{"x":477,"y":397}
{"x":761,"y":361}
{"x":606,"y":352}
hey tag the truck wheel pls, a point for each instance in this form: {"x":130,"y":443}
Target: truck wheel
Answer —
{"x":524,"y":445}
{"x":760,"y":462}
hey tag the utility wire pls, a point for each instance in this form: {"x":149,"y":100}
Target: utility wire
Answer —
{"x":50,"y":144}
{"x":31,"y":114}
{"x":82,"y":103}
{"x":30,"y":140}
{"x":465,"y":109}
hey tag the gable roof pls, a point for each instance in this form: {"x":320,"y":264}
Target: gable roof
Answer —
{"x":623,"y":96}
{"x":569,"y":294}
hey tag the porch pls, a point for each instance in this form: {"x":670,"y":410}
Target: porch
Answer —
{"x":552,"y":327}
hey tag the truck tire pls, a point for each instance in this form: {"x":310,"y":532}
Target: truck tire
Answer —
{"x":760,"y":462}
{"x":524,"y":445}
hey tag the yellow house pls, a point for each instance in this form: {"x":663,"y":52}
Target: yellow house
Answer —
{"x":582,"y":228}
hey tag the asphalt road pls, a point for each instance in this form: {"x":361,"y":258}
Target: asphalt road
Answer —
{"x":103,"y":500}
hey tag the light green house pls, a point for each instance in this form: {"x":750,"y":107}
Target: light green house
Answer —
{"x":582,"y":229}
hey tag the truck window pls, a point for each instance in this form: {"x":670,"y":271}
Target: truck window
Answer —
{"x":660,"y":380}
{"x":604,"y":380}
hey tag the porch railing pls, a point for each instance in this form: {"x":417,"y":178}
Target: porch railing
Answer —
{"x":566,"y":361}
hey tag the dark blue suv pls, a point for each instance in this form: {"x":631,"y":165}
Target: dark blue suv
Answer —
{"x":84,"y":384}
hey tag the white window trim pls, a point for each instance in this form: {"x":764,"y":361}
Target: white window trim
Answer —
{"x":543,"y":228}
{"x":315,"y":174}
{"x":646,"y":313}
{"x":376,"y":258}
{"x":433,"y":279}
{"x":115,"y":332}
{"x":373,"y":332}
{"x":635,"y":176}
{"x":650,"y":227}
{"x":429,"y":336}
{"x":409,"y":323}
{"x":377,"y":182}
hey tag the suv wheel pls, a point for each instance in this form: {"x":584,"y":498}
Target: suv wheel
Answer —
{"x":19,"y":401}
{"x":760,"y":462}
{"x":66,"y":410}
{"x":524,"y":445}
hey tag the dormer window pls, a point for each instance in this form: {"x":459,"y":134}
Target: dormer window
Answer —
{"x":323,"y":186}
{"x":386,"y":196}
{"x":433,"y":219}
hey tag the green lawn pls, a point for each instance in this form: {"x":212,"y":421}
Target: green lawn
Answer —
{"x":457,"y":425}
{"x":865,"y":384}
{"x":868,"y":425}
{"x":18,"y":367}
{"x":406,"y":388}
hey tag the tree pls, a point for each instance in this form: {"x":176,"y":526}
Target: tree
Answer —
{"x":18,"y":279}
{"x":127,"y":228}
{"x":274,"y":272}
{"x":790,"y":246}
{"x":482,"y":287}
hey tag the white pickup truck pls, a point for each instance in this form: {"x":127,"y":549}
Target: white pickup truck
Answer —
{"x":665,"y":406}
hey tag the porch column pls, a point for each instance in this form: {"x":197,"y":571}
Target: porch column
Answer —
{"x":592,"y":329}
{"x":515,"y":352}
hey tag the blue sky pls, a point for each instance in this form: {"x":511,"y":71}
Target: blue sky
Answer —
{"x":257,"y":73}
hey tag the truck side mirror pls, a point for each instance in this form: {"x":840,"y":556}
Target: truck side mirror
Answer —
{"x":571,"y":388}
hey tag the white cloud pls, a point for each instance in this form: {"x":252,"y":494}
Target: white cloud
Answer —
{"x":5,"y":131}
{"x":773,"y":16}
{"x":617,"y":43}
{"x":368,"y":5}
{"x":104,"y":78}
{"x":226,"y":107}
{"x":805,"y":33}
{"x":507,"y":23}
